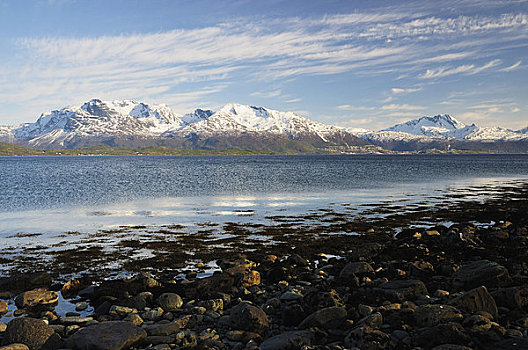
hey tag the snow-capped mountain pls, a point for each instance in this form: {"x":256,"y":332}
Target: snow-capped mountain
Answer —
{"x":442,"y":127}
{"x":105,"y":121}
{"x":237,"y":118}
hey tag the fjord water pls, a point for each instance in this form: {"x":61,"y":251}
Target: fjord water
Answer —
{"x":50,"y":194}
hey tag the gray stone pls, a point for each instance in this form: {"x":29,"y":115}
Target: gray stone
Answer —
{"x":249,"y":317}
{"x":29,"y":331}
{"x":75,"y":319}
{"x":446,"y":332}
{"x":402,"y":290}
{"x":170,"y":301}
{"x":330,"y":317}
{"x":288,"y":341}
{"x":477,"y":299}
{"x":367,"y":338}
{"x":162,"y":328}
{"x":113,"y":335}
{"x":356,"y":269}
{"x":481,"y":273}
{"x":431,"y":315}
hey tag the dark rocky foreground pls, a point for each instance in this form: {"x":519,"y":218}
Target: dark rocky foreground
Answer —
{"x":462,"y":286}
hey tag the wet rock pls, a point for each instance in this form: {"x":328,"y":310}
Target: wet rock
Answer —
{"x":121,"y":311}
{"x":481,"y":273}
{"x":477,"y":299}
{"x":433,"y":314}
{"x":330,"y":317}
{"x":71,"y":288}
{"x":162,"y":328}
{"x":3,"y":327}
{"x":249,"y":278}
{"x":152,"y":315}
{"x":113,"y":335}
{"x":293,"y":314}
{"x":477,"y":324}
{"x":3,"y":307}
{"x":364,"y":251}
{"x":452,"y":333}
{"x":249,"y":317}
{"x":367,"y":338}
{"x":29,"y":331}
{"x":170,"y":302}
{"x":16,"y":346}
{"x":401,"y":290}
{"x":75,"y":319}
{"x":451,"y":347}
{"x":512,"y":298}
{"x":81,"y":306}
{"x":205,"y":287}
{"x":373,"y":320}
{"x":358,"y":268}
{"x":422,"y":269}
{"x":292,"y":340}
{"x":22,"y":282}
{"x":135,"y":319}
{"x":37,"y":300}
{"x":141,"y":300}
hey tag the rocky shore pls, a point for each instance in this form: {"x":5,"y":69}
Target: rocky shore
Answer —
{"x":457,"y":286}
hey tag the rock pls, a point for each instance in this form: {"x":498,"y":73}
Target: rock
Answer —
{"x":481,"y":273}
{"x":249,"y":278}
{"x":451,"y":333}
{"x":432,"y":314}
{"x":477,"y":324}
{"x":141,"y":300}
{"x":219,"y":282}
{"x":75,"y":319}
{"x":3,"y":327}
{"x":170,"y":302}
{"x":37,"y":300}
{"x":29,"y":331}
{"x":16,"y":346}
{"x":451,"y":347}
{"x":402,"y":290}
{"x":367,"y":338}
{"x":508,"y":344}
{"x":71,"y":287}
{"x":291,"y":340}
{"x":356,"y":269}
{"x":121,"y":311}
{"x":422,"y":269}
{"x":213,"y":304}
{"x":364,"y":251}
{"x":113,"y":335}
{"x":330,"y":317}
{"x":290,"y":296}
{"x":373,"y":320}
{"x":3,"y":307}
{"x":477,"y":299}
{"x":81,"y":306}
{"x":249,"y":317}
{"x":292,"y":314}
{"x":22,"y":282}
{"x":162,"y":328}
{"x":512,"y":298}
{"x":135,"y":319}
{"x":152,"y":315}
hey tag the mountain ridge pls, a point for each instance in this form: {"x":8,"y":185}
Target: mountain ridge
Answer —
{"x":128,"y":123}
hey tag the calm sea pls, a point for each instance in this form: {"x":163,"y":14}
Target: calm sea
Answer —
{"x":51,"y":194}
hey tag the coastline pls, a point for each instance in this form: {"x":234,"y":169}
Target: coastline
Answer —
{"x":375,"y":288}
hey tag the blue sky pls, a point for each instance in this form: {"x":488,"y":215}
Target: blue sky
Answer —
{"x":365,"y":64}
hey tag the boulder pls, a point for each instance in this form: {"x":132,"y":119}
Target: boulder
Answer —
{"x":481,"y":273}
{"x":477,"y":299}
{"x":402,"y":290}
{"x":37,"y":300}
{"x":477,"y":324}
{"x":16,"y":346}
{"x":113,"y":335}
{"x":249,"y":317}
{"x":288,"y":341}
{"x":330,"y":317}
{"x":367,"y":338}
{"x":3,"y":307}
{"x":353,"y":269}
{"x":512,"y":298}
{"x":432,"y":314}
{"x":170,"y":302}
{"x":445,"y":333}
{"x":29,"y":331}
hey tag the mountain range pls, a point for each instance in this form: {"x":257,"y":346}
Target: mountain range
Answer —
{"x":131,"y":123}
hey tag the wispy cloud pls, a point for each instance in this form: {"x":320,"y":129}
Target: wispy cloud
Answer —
{"x":512,"y":67}
{"x":468,"y":69}
{"x":354,"y":108}
{"x":268,"y":94}
{"x":400,"y":91}
{"x":403,"y":107}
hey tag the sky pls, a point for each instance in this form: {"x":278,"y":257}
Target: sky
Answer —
{"x":362,"y":64}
